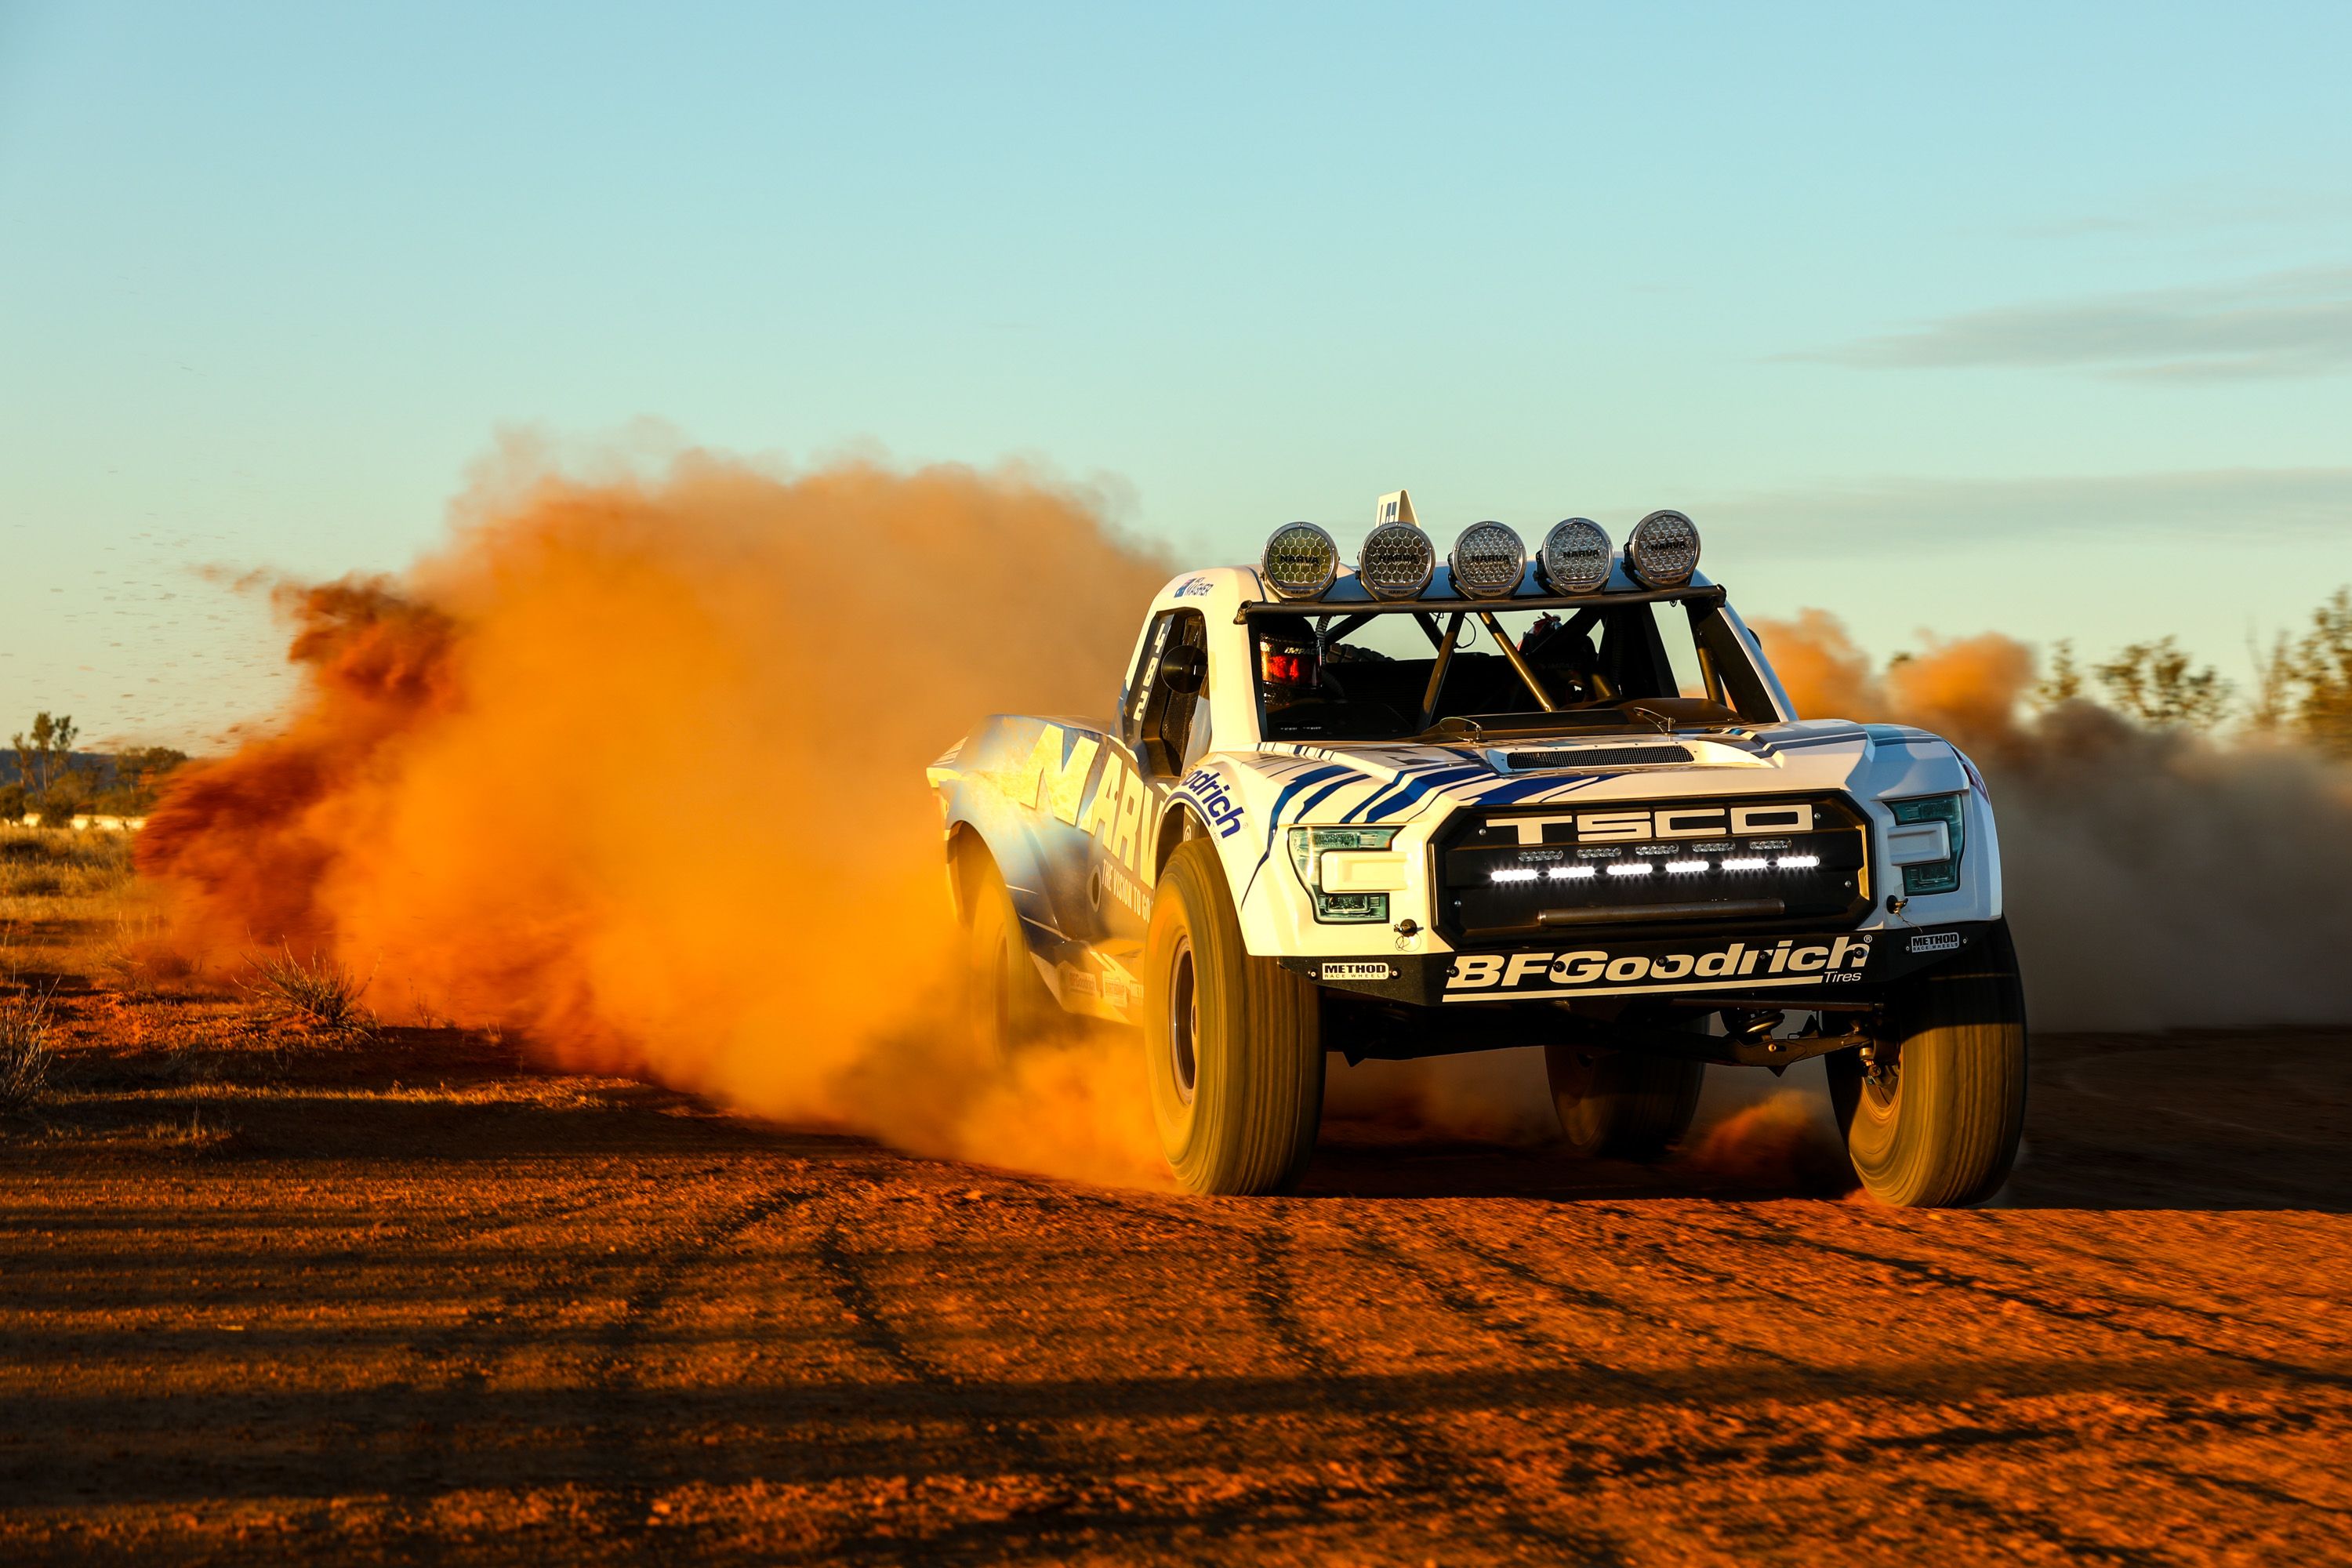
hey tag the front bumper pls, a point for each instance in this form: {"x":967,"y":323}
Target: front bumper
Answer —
{"x":1787,"y":970}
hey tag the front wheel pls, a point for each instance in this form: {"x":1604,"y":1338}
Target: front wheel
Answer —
{"x":1233,"y":1043}
{"x":1934,"y":1111}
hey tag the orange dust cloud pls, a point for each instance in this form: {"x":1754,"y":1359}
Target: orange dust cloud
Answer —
{"x":635,"y":767}
{"x":2155,"y":878}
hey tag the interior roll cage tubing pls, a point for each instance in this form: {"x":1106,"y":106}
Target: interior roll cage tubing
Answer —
{"x":1437,"y":670}
{"x":1518,"y":661}
{"x":1425,"y":610}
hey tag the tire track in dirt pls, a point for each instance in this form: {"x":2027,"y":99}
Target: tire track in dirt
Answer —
{"x":1614,"y":1305}
{"x":1983,"y":1247}
{"x":625,"y":1497}
{"x":1783,"y":1451}
{"x":1482,"y":1312}
{"x":1451,"y":1485}
{"x":465,"y":1357}
{"x":1772,"y":1233}
{"x":2001,"y":1519}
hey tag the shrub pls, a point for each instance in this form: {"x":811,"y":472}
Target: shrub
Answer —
{"x":24,"y":1055}
{"x":315,"y":994}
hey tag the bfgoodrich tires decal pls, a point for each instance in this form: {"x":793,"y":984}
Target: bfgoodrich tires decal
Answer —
{"x":1828,"y":964}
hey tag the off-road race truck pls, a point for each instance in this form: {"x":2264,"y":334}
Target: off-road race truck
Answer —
{"x":1425,"y":806}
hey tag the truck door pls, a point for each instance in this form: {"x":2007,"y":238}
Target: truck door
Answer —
{"x":1156,"y":740}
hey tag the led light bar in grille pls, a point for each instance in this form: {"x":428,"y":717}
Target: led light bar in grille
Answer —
{"x":1396,"y":562}
{"x":1663,"y":550}
{"x":1488,"y":560}
{"x":1525,"y":870}
{"x":1575,"y":556}
{"x":1299,"y":561}
{"x":1673,"y":868}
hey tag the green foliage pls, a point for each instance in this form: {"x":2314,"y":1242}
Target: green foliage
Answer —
{"x":50,"y":785}
{"x":69,"y":795}
{"x":138,"y":776}
{"x":45,"y":754}
{"x":2155,"y":683}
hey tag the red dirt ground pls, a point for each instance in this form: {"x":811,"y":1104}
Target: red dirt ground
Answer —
{"x":416,"y":1301}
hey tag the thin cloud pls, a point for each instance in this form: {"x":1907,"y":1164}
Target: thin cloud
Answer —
{"x":2295,"y":323}
{"x":2191,"y":212}
{"x":1908,"y":514}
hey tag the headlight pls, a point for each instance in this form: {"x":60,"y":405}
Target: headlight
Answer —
{"x":1663,"y":550}
{"x":1396,"y":561}
{"x":1299,"y":561}
{"x":1307,"y":846}
{"x":1575,"y":556}
{"x":1488,"y":560}
{"x":1933,"y":875}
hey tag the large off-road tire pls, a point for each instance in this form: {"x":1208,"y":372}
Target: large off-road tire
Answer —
{"x":1233,"y":1043}
{"x":1004,"y":997}
{"x":1936,"y":1124}
{"x":1625,"y":1105}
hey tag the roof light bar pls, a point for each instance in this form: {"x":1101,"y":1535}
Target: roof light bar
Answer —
{"x":1299,"y":561}
{"x":1487,"y":561}
{"x":1575,"y":556}
{"x":1396,"y":562}
{"x":1663,"y":550}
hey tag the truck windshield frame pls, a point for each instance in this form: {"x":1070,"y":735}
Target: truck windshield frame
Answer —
{"x":1592,"y":661}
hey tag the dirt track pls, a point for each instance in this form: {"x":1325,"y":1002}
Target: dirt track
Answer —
{"x":420,"y":1303}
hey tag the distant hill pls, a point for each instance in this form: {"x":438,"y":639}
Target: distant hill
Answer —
{"x":97,"y":765}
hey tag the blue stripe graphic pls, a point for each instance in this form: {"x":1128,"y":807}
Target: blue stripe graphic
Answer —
{"x":1320,"y":796}
{"x":1404,"y":777}
{"x":1516,"y":789}
{"x":1422,"y":786}
{"x":1307,"y":780}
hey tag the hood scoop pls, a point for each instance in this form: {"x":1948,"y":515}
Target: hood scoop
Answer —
{"x":1595,"y":757}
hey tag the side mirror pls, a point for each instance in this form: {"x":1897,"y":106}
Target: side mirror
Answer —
{"x":1184,"y":667}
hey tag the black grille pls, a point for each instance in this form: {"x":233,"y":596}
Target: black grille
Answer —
{"x":1596,"y":757}
{"x":1655,"y":865}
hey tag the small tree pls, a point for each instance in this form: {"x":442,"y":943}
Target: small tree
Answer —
{"x":139,"y":774}
{"x":2320,"y":669}
{"x":2064,"y":681}
{"x":46,"y":753}
{"x":2155,"y":683}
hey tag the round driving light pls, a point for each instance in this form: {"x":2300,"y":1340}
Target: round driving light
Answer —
{"x":1299,"y":560}
{"x":1663,"y":550}
{"x":1396,"y":561}
{"x":1488,"y":560}
{"x":1575,"y":556}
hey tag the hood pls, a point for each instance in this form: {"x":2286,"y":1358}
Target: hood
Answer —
{"x":1400,"y":784}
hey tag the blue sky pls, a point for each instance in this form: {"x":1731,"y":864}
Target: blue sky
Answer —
{"x":1949,"y":317}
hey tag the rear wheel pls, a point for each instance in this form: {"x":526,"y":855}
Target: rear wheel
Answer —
{"x":1933,"y":1112}
{"x":1233,"y":1043}
{"x":1626,"y":1105}
{"x":1007,"y":1002}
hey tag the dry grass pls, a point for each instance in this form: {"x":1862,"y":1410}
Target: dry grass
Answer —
{"x":26,"y":1055}
{"x":59,"y":890}
{"x":71,"y":875}
{"x":315,"y":995}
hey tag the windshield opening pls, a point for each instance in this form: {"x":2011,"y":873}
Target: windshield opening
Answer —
{"x":1369,"y":676}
